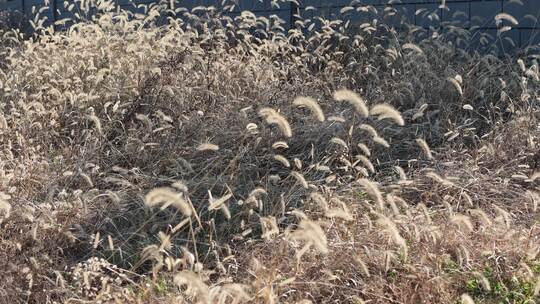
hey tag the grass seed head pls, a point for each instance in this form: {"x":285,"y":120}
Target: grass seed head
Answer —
{"x":274,"y":118}
{"x":282,"y":160}
{"x":354,"y":100}
{"x":312,"y":105}
{"x":373,"y":191}
{"x":425,"y":148}
{"x":207,"y":147}
{"x":386,"y":111}
{"x":364,"y":149}
{"x":167,"y":197}
{"x":300,"y":179}
{"x":466,"y":299}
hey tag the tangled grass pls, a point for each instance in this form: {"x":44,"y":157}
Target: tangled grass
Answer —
{"x":186,"y":156}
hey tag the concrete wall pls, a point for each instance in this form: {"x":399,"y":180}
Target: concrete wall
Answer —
{"x":475,"y":14}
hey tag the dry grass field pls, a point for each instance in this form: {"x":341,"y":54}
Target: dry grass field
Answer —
{"x":146,"y":158}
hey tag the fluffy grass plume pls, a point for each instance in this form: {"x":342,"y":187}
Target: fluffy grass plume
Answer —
{"x":97,"y":123}
{"x":110,"y":242}
{"x":5,"y":206}
{"x":392,"y":203}
{"x":401,"y":173}
{"x":373,"y":191}
{"x":412,"y":47}
{"x":312,"y":235}
{"x":368,"y":128}
{"x":319,"y":200}
{"x":167,"y":197}
{"x":482,"y":281}
{"x":300,"y":179}
{"x":97,"y":239}
{"x":217,"y":203}
{"x":381,"y":141}
{"x":463,"y":222}
{"x":312,"y":105}
{"x":364,"y":270}
{"x":392,"y":231}
{"x":507,"y":17}
{"x":284,"y":161}
{"x":280,"y":145}
{"x":341,"y":212}
{"x":269,"y":227}
{"x":340,"y":142}
{"x":354,"y":100}
{"x":145,"y":120}
{"x":252,"y":128}
{"x":272,"y":117}
{"x":257,"y":192}
{"x":420,"y":112}
{"x":466,"y":299}
{"x":364,"y":149}
{"x":386,"y":111}
{"x":437,"y":178}
{"x":366,"y":162}
{"x":504,"y":216}
{"x":207,"y":147}
{"x":482,"y":217}
{"x":425,"y":148}
{"x":455,"y":83}
{"x":337,"y":118}
{"x":3,"y":122}
{"x":194,"y":284}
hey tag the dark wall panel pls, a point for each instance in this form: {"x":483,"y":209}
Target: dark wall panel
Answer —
{"x":478,"y":14}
